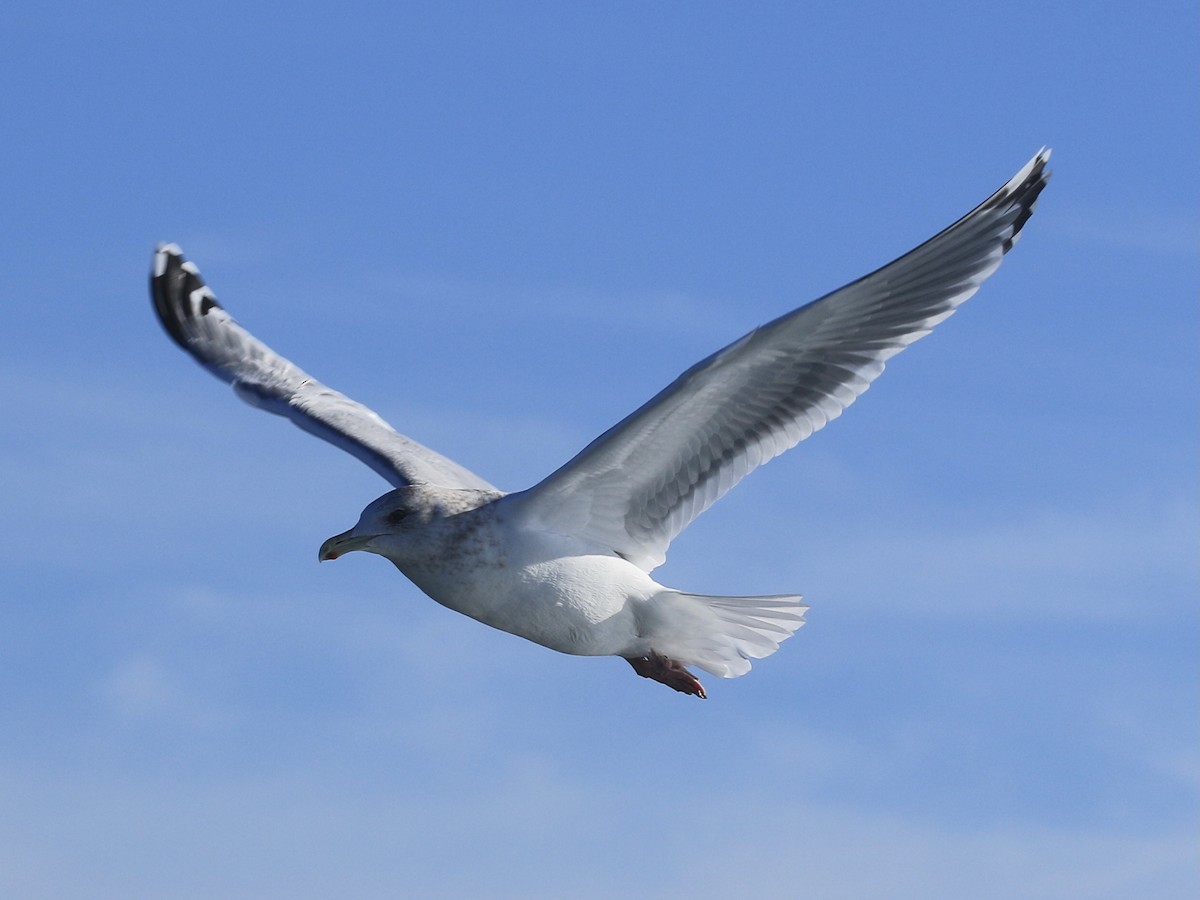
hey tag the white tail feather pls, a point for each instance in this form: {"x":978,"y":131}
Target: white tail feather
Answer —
{"x":722,"y":634}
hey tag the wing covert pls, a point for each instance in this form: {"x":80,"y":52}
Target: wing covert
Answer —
{"x":639,"y":484}
{"x":194,"y":319}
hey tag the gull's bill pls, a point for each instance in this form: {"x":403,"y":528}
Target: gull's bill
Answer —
{"x":565,"y":564}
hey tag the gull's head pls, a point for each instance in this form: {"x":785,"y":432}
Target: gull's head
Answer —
{"x":383,"y":522}
{"x":407,"y":523}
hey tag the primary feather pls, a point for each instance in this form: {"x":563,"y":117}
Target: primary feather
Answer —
{"x":644,"y":480}
{"x":566,"y":563}
{"x":194,"y":319}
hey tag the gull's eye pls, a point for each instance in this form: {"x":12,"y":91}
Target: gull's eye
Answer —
{"x":395,"y":517}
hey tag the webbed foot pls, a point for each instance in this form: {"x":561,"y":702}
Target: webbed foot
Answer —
{"x":668,"y":671}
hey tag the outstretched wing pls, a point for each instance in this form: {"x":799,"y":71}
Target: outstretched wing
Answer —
{"x":640,"y":483}
{"x":196,"y":322}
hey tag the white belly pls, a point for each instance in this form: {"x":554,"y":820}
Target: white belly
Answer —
{"x":584,"y":605}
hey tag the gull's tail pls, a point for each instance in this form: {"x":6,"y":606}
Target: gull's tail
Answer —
{"x":722,"y":634}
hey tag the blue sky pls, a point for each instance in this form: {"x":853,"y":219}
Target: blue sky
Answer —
{"x":504,"y":226}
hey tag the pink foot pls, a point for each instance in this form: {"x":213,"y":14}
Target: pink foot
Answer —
{"x":669,"y":671}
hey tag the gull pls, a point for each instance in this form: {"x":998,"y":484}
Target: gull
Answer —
{"x":567,"y":562}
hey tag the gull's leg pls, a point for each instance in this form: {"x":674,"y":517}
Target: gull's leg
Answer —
{"x":669,"y":671}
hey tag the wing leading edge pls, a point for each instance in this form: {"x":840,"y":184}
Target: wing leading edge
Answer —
{"x":639,"y":484}
{"x":194,"y":319}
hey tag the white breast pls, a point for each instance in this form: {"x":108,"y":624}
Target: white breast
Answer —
{"x":543,"y":587}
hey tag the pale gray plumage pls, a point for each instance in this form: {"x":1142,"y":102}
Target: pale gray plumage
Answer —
{"x":640,"y":483}
{"x":565,"y":563}
{"x":195,"y":320}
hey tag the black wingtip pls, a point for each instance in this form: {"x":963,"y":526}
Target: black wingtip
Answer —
{"x":1022,"y":193}
{"x":178,"y":291}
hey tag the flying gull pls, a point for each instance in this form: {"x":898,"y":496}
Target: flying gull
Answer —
{"x":566,"y":563}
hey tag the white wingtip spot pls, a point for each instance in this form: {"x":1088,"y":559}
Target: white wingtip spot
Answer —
{"x":1021,"y":177}
{"x":161,"y":254}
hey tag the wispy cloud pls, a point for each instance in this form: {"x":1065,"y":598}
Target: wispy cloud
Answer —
{"x":1098,"y":564}
{"x":532,"y":833}
{"x":1160,"y":233}
{"x":665,"y":310}
{"x":141,"y":688}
